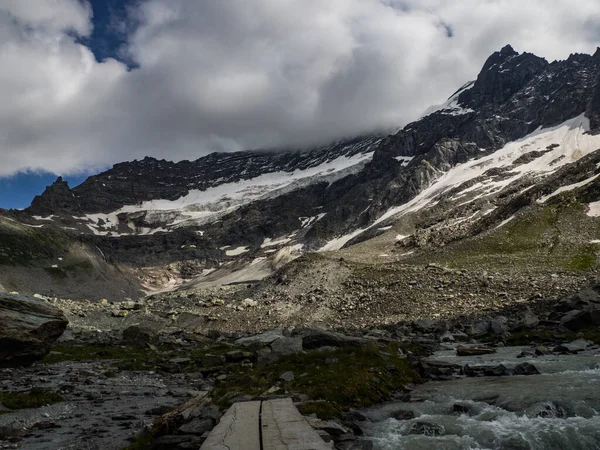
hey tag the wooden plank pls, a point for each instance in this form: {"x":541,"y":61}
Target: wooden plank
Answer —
{"x":238,"y":429}
{"x":284,"y":428}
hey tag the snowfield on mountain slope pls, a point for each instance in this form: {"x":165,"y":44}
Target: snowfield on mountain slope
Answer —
{"x":451,"y":107}
{"x":200,"y":207}
{"x":558,"y":146}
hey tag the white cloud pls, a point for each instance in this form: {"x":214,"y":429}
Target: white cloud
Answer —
{"x":52,"y":15}
{"x":223,"y":75}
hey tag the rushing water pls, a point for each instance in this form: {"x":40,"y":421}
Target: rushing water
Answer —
{"x":557,"y":410}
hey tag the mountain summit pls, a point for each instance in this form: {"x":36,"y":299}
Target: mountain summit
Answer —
{"x":508,"y":140}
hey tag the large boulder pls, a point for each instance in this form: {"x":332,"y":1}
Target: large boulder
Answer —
{"x":315,"y":338}
{"x":485,"y":371}
{"x":499,"y":325}
{"x":139,"y":336}
{"x":29,"y":329}
{"x":578,"y":320}
{"x":260,"y":340}
{"x":438,"y":370}
{"x":287,"y":346}
{"x":526,"y":369}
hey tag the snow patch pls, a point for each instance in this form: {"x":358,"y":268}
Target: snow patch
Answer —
{"x":49,"y":218}
{"x":504,"y":222}
{"x":237,"y":251}
{"x":570,"y":187}
{"x":200,"y":207}
{"x":339,"y":242}
{"x":404,"y":159}
{"x":308,"y":221}
{"x":272,"y":243}
{"x":594,"y":209}
{"x":573,"y":142}
{"x":451,"y":107}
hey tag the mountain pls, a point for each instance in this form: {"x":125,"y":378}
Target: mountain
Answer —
{"x":522,"y":136}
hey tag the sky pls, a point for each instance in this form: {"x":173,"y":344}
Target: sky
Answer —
{"x":85,"y":84}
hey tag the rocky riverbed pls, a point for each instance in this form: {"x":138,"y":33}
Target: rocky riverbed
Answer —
{"x":103,"y":390}
{"x":327,"y":292}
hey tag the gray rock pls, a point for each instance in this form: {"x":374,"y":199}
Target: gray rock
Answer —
{"x":552,"y":411}
{"x":578,"y":320}
{"x":29,"y":329}
{"x":211,"y":412}
{"x":430,"y":326}
{"x":499,"y":325}
{"x":541,"y":350}
{"x":139,"y":336}
{"x":266,"y":356}
{"x":447,"y":337}
{"x":438,"y":370}
{"x":461,"y":408}
{"x":196,"y":426}
{"x":287,"y":376}
{"x":486,"y":371}
{"x":403,"y":414}
{"x":525,"y":369}
{"x":578,"y":345}
{"x":324,"y":435}
{"x":479,"y":328}
{"x":129,"y":306}
{"x":336,"y":430}
{"x":260,"y":340}
{"x":313,"y":338}
{"x":529,"y":319}
{"x":212,"y":360}
{"x":180,"y":361}
{"x":287,"y":346}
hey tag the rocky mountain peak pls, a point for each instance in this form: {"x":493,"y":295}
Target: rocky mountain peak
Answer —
{"x":508,"y":50}
{"x":56,"y":198}
{"x":503,"y":74}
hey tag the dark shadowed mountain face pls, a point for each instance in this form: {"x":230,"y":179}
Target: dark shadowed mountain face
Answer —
{"x":520,"y":123}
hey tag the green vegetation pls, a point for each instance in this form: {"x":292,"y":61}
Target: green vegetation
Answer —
{"x":24,"y":246}
{"x":142,"y":441}
{"x":537,"y":232}
{"x":350,"y":377}
{"x":551,"y":237}
{"x":585,"y":259}
{"x":135,"y":358}
{"x":324,"y":410}
{"x":35,"y":398}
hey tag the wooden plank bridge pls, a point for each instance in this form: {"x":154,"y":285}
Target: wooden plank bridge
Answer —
{"x":266,"y":425}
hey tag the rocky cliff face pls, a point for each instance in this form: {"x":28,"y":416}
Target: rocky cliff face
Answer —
{"x":522,"y":120}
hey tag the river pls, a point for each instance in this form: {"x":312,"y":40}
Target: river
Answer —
{"x":556,"y":410}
